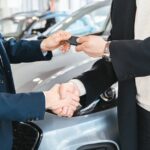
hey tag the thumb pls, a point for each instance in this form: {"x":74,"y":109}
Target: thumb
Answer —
{"x":65,"y":89}
{"x":62,"y":103}
{"x":82,"y":39}
{"x":56,"y":88}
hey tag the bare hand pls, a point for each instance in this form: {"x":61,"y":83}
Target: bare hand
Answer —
{"x":92,"y":45}
{"x":54,"y":101}
{"x":56,"y":40}
{"x":71,"y":92}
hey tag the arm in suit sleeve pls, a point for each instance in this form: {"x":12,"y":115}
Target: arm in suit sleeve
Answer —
{"x":130,"y":58}
{"x":22,"y":107}
{"x":98,"y":79}
{"x":24,"y":51}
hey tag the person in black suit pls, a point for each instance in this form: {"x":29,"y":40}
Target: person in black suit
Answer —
{"x":129,"y":51}
{"x":26,"y":106}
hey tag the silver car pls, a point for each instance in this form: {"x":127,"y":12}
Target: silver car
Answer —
{"x":92,"y":128}
{"x":93,"y":18}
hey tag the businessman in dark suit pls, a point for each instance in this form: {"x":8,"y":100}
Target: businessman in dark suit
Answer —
{"x":129,"y":51}
{"x":26,"y":106}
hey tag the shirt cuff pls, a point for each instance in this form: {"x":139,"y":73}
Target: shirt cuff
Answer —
{"x":57,"y":52}
{"x":80,"y":86}
{"x":44,"y":53}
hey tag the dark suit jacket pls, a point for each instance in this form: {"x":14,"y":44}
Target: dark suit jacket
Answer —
{"x":130,"y":59}
{"x":19,"y":107}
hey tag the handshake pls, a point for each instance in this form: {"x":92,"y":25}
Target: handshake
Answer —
{"x":63,"y":99}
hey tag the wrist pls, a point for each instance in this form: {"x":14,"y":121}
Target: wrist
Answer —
{"x":47,"y":101}
{"x":79,"y":86}
{"x":43,"y":46}
{"x":106,"y":49}
{"x":106,"y":54}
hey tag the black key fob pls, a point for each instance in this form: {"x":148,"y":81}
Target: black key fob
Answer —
{"x":73,"y":41}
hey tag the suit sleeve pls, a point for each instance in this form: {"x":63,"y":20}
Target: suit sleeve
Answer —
{"x":98,"y":79}
{"x":24,"y":51}
{"x":22,"y":107}
{"x":130,"y":58}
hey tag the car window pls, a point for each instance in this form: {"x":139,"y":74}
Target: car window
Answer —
{"x":44,"y":24}
{"x":8,"y":26}
{"x":39,"y":24}
{"x":90,"y":23}
{"x":27,"y":23}
{"x":59,"y":18}
{"x":78,"y":27}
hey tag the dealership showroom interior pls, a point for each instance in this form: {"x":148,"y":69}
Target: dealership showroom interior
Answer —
{"x":74,"y":75}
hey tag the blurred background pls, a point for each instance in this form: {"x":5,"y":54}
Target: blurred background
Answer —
{"x":8,"y":7}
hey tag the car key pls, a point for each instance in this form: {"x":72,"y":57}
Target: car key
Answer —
{"x":73,"y":41}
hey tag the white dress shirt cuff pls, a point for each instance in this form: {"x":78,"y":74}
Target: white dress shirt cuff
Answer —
{"x":80,"y":86}
{"x":44,"y":53}
{"x":54,"y":53}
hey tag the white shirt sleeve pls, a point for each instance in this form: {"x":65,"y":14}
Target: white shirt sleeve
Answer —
{"x":57,"y":52}
{"x":54,"y":53}
{"x":80,"y":86}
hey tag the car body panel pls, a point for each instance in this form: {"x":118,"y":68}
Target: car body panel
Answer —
{"x":28,"y":75}
{"x":71,"y":133}
{"x":97,"y":125}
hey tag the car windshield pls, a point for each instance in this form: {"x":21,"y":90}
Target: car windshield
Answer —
{"x":42,"y":23}
{"x":85,"y":21}
{"x":11,"y":27}
{"x":92,"y":22}
{"x":8,"y":26}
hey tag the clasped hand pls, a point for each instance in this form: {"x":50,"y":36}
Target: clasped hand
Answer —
{"x":63,"y":99}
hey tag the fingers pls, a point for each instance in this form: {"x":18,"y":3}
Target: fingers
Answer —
{"x":64,"y":35}
{"x":58,"y":111}
{"x":62,"y":108}
{"x":52,"y":97}
{"x":68,"y":102}
{"x":83,"y":39}
{"x":67,"y":112}
{"x":73,"y":103}
{"x":82,"y":47}
{"x":55,"y":41}
{"x":61,"y":36}
{"x":65,"y":47}
{"x":70,"y":113}
{"x":74,"y":97}
{"x":69,"y":87}
{"x":65,"y":88}
{"x":64,"y":99}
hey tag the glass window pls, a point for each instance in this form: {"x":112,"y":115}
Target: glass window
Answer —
{"x":43,"y":25}
{"x":39,"y":24}
{"x":8,"y":26}
{"x":89,"y":23}
{"x":60,"y":18}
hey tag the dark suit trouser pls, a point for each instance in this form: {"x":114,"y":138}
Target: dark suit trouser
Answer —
{"x":143,"y":129}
